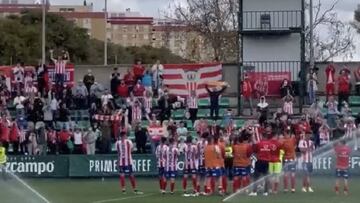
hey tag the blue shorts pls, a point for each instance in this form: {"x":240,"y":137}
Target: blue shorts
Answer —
{"x":161,"y":171}
{"x":241,"y":171}
{"x":170,"y":174}
{"x":190,"y":171}
{"x":126,"y":170}
{"x":215,"y":172}
{"x":289,"y":166}
{"x":342,"y":173}
{"x":202,"y":171}
{"x":307,"y":167}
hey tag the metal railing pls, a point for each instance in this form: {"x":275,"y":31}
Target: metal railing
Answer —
{"x":292,"y":67}
{"x":271,"y":20}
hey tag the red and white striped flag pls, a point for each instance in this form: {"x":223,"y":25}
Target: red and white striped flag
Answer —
{"x":184,"y":78}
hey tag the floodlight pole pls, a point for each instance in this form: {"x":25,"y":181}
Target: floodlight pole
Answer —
{"x":105,"y":38}
{"x":43,"y":37}
{"x":312,"y":60}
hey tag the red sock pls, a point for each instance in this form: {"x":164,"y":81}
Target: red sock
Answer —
{"x":276,"y":185}
{"x":164,"y":184}
{"x":194,"y":183}
{"x":172,"y":186}
{"x":286,"y":179}
{"x":212,"y":184}
{"x":133,"y":182}
{"x":122,"y":182}
{"x":236,"y":184}
{"x":206,"y":189}
{"x":161,"y":183}
{"x":336,"y":188}
{"x":224,"y":183}
{"x":346,"y":189}
{"x":184,"y":183}
{"x":198,"y":188}
{"x":293,"y":182}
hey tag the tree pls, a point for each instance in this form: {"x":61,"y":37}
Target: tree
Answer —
{"x":216,"y":21}
{"x":356,"y":22}
{"x":332,"y":37}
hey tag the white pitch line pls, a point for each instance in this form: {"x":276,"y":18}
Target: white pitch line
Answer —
{"x":124,"y":198}
{"x":30,"y":188}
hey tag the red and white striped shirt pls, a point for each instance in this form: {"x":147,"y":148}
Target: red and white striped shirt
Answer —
{"x":171,"y":158}
{"x":324,"y":136}
{"x":201,"y":148}
{"x":136,"y":113}
{"x":307,"y":148}
{"x":190,"y":152}
{"x":257,"y":137}
{"x":147,"y":104}
{"x":192,"y":102}
{"x":124,"y":148}
{"x":31,"y":90}
{"x":349,"y":129}
{"x":60,"y":67}
{"x":288,"y":107}
{"x":160,"y":155}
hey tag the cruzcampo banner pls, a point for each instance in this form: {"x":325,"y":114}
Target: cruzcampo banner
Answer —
{"x":106,"y":165}
{"x":38,"y":166}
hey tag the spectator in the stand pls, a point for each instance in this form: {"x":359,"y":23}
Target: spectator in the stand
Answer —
{"x":138,"y":69}
{"x":80,"y":93}
{"x":157,"y":73}
{"x":31,"y":91}
{"x":14,"y":137}
{"x":139,"y":89}
{"x":357,"y":78}
{"x":42,"y":77}
{"x":214,"y":129}
{"x":96,"y":91}
{"x":89,"y":80}
{"x":54,"y":105}
{"x":19,"y":104}
{"x":22,"y":139}
{"x":182,"y":131}
{"x":64,"y":114}
{"x":123,"y":92}
{"x":332,"y":112}
{"x":32,"y":147}
{"x":129,"y":79}
{"x":69,"y":97}
{"x":330,"y":80}
{"x":263,"y":108}
{"x":51,"y":140}
{"x":114,"y":82}
{"x":346,"y":110}
{"x":19,"y":74}
{"x":64,"y":138}
{"x":92,"y":111}
{"x":31,"y":115}
{"x":78,"y":141}
{"x":106,"y":98}
{"x":286,"y":88}
{"x":60,"y":68}
{"x":147,"y":80}
{"x":140,"y":139}
{"x":136,"y":112}
{"x":148,"y":103}
{"x":344,"y":88}
{"x":90,"y":140}
{"x":214,"y":95}
{"x":165,"y":107}
{"x":247,"y":92}
{"x":41,"y":139}
{"x":5,"y":132}
{"x":315,"y":128}
{"x":312,"y":85}
{"x":105,"y":129}
{"x":192,"y":105}
{"x":201,"y":126}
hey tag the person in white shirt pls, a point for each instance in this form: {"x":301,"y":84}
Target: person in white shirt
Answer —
{"x":157,"y":72}
{"x":106,"y":98}
{"x":19,"y":74}
{"x":182,"y":130}
{"x":78,"y":141}
{"x":19,"y":104}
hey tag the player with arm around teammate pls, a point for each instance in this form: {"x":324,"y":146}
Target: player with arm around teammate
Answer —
{"x":307,"y":147}
{"x":124,"y":148}
{"x":161,"y":158}
{"x":171,"y":160}
{"x":342,"y":152}
{"x":201,"y":175}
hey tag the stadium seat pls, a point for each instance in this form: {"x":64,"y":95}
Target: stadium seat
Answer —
{"x":354,"y":100}
{"x":203,"y":112}
{"x":144,"y":123}
{"x":222,"y":112}
{"x":189,"y":125}
{"x":179,"y":113}
{"x":355,"y":111}
{"x":131,"y":135}
{"x":224,"y":102}
{"x":203,"y":103}
{"x":239,"y":123}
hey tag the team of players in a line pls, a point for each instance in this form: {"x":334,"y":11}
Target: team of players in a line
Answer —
{"x":204,"y":163}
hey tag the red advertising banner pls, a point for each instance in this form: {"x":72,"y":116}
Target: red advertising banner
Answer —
{"x":69,"y":75}
{"x":267,"y":83}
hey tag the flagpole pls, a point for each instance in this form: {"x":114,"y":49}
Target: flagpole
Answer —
{"x":43,"y":37}
{"x":105,"y":38}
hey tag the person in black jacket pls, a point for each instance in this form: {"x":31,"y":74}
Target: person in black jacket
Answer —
{"x":214,"y":95}
{"x":140,"y":139}
{"x":165,"y":107}
{"x":89,"y":80}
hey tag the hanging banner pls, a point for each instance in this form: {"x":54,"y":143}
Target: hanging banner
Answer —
{"x":267,"y":83}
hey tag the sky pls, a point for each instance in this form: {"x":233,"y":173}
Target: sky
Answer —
{"x":156,"y":8}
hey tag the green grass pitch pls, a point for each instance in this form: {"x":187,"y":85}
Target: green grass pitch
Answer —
{"x":107,"y":191}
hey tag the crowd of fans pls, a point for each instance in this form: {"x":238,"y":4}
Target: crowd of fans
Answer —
{"x":43,"y":122}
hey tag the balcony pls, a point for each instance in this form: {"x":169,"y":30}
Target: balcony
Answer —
{"x":272,"y":22}
{"x":290,"y":68}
